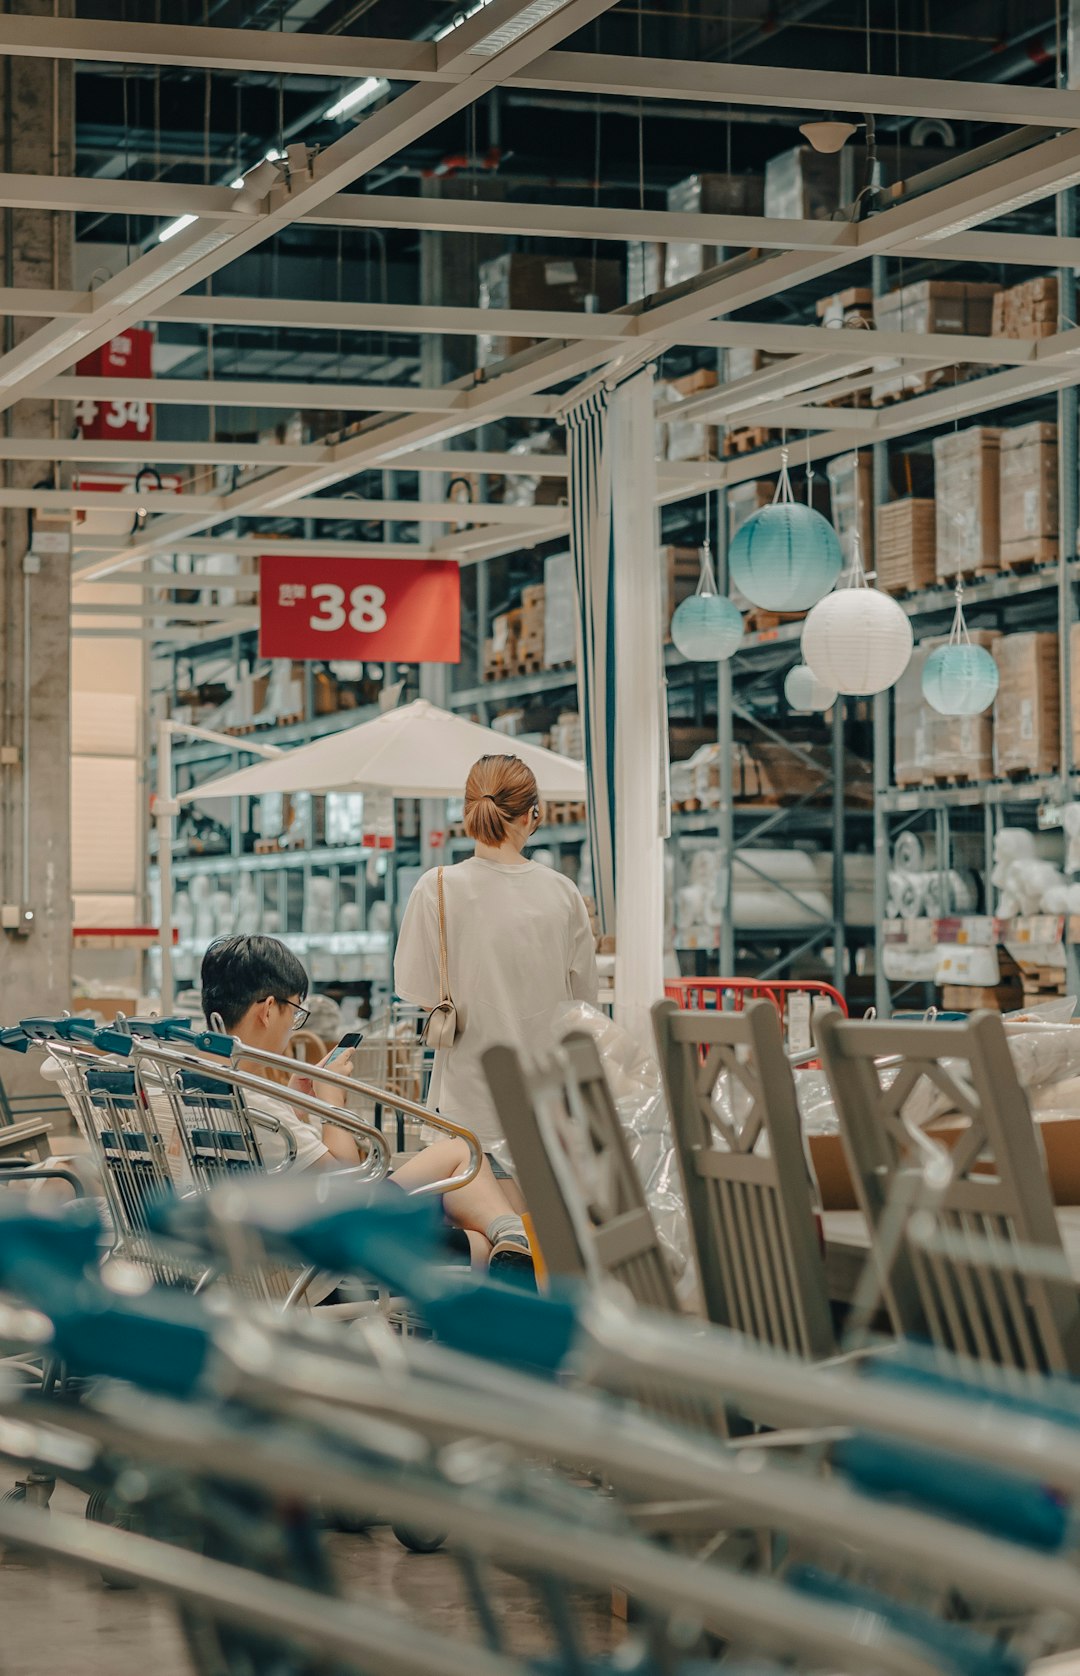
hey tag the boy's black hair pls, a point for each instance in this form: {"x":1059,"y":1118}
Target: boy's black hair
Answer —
{"x":238,"y":971}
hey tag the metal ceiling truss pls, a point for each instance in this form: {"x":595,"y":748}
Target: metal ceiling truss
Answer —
{"x":466,"y":63}
{"x":456,"y":57}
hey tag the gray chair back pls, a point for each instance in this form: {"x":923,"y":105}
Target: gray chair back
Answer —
{"x":573,"y":1165}
{"x":749,"y":1193}
{"x":965,"y":1240}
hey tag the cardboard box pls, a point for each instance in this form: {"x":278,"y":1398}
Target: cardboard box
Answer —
{"x":560,"y":610}
{"x":967,"y":467}
{"x":680,"y":569}
{"x":744,"y":499}
{"x":853,"y":307}
{"x":911,"y":724}
{"x":905,"y":545}
{"x":1029,"y":494}
{"x":707,"y":194}
{"x":559,"y":282}
{"x":1027,"y":723}
{"x":807,"y":185}
{"x":644,"y":269}
{"x":1029,"y":310}
{"x":851,"y":490}
{"x":942,"y":306}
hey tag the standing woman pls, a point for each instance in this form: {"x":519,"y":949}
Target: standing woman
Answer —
{"x":518,"y":941}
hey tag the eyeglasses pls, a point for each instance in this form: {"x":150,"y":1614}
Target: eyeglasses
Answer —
{"x":302,"y":1013}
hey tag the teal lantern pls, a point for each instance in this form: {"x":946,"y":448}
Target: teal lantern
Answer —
{"x":707,"y":627}
{"x":787,"y":556}
{"x":960,"y":679}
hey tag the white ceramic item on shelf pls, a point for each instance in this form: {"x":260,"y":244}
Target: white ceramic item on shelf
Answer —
{"x":350,"y":917}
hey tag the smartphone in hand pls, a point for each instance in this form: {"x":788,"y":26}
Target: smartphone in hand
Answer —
{"x":351,"y":1039}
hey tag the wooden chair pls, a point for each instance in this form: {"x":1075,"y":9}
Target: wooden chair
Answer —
{"x":573,"y":1166}
{"x":745,"y":1175}
{"x":25,"y":1126}
{"x":965,"y":1241}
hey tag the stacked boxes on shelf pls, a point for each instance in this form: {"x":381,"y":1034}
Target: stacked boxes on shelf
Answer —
{"x":905,"y":545}
{"x":1029,"y":310}
{"x":967,"y":468}
{"x":928,"y":746}
{"x":644,"y":269}
{"x":707,"y":194}
{"x":853,"y":307}
{"x":942,"y":306}
{"x":690,"y":439}
{"x":680,"y":568}
{"x":851,"y":488}
{"x":1029,"y":494}
{"x":560,"y":610}
{"x":565,"y":283}
{"x":1027,"y":722}
{"x":531,"y":630}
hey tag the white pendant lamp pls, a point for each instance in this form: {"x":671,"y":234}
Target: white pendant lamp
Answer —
{"x":857,"y":640}
{"x":805,"y":693}
{"x":960,"y":679}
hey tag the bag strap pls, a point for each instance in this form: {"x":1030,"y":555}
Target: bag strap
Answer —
{"x":444,"y":974}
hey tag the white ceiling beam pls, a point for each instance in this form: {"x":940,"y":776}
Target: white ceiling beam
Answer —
{"x":356,"y":57}
{"x":202,"y":582}
{"x":343,"y":398}
{"x":193,"y":634}
{"x":987,"y":193}
{"x":775,"y":88}
{"x":198,"y":251}
{"x":329,"y":510}
{"x":254,"y":546}
{"x":798,"y":418}
{"x":149,"y":610}
{"x":181,"y":47}
{"x":84,"y":451}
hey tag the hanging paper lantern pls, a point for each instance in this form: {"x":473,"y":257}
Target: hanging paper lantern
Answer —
{"x":858,"y":639}
{"x":960,"y":679}
{"x":805,"y":692}
{"x":707,"y":627}
{"x":787,"y":556}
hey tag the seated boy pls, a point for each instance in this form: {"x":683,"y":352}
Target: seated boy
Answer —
{"x":257,"y":987}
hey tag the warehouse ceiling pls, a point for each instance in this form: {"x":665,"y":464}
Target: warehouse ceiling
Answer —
{"x":317,"y":315}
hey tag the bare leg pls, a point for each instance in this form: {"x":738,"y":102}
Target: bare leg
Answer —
{"x":476,"y":1206}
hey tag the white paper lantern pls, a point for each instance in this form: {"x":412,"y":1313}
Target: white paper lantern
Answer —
{"x":805,"y":692}
{"x":857,"y":639}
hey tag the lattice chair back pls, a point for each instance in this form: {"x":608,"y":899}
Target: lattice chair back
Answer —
{"x":585,"y":1197}
{"x":748,"y":1187}
{"x":965,"y":1241}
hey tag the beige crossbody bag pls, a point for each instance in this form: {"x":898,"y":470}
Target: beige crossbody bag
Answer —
{"x":441,"y":1026}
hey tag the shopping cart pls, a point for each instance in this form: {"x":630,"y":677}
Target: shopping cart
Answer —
{"x":275,"y":1442}
{"x":797,"y":1002}
{"x":392,"y":1056}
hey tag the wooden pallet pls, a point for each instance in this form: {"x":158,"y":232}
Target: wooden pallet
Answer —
{"x":1030,"y":555}
{"x":564,"y":814}
{"x":970,"y":573}
{"x":291,"y":720}
{"x":758,"y":621}
{"x":748,"y":439}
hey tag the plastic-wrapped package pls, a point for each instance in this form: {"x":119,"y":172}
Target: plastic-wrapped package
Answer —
{"x":633,"y":1076}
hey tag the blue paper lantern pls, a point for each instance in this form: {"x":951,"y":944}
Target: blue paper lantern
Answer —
{"x":707,"y":627}
{"x":960,"y":679}
{"x":785,"y":557}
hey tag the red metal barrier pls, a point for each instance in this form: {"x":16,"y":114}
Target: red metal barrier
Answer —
{"x":732,"y":994}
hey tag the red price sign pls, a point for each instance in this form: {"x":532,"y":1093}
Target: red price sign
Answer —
{"x":408,"y":610}
{"x":128,"y":356}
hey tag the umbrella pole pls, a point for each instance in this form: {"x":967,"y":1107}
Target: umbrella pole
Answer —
{"x":165,"y":810}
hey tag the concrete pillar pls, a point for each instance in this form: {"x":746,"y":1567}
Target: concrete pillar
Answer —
{"x":36,"y":138}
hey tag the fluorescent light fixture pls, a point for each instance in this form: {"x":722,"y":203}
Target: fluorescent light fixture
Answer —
{"x":462,"y":17}
{"x":363,"y":94}
{"x":175,"y":227}
{"x":515,"y":27}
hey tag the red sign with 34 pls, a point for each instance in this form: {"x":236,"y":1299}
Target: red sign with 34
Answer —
{"x":405,"y":609}
{"x":127,"y":356}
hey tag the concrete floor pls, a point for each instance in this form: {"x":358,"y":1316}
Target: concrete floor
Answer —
{"x":53,"y":1621}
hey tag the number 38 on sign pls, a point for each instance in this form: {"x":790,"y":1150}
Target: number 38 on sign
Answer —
{"x":408,"y":610}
